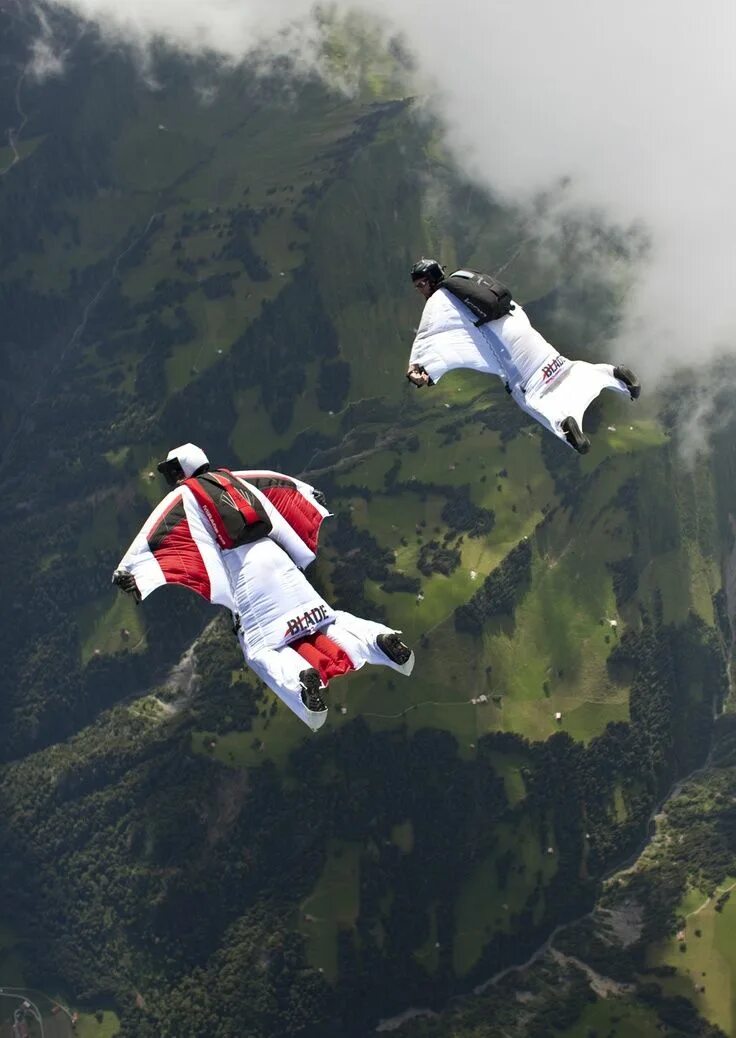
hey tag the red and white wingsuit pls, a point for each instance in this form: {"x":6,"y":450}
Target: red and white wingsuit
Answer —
{"x":240,"y":540}
{"x":543,"y":383}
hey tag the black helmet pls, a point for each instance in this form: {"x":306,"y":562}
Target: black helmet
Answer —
{"x":427,"y":268}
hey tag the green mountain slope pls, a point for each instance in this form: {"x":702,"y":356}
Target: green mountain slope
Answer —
{"x":235,"y":273}
{"x":656,"y":954}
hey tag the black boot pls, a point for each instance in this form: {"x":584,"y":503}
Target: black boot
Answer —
{"x":392,"y":646}
{"x":575,"y":436}
{"x":629,"y":379}
{"x":311,"y":691}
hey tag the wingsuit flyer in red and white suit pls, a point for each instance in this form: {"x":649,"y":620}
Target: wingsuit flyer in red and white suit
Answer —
{"x":241,"y":540}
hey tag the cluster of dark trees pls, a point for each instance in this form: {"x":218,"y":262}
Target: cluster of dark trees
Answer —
{"x":500,"y":591}
{"x":358,"y":557}
{"x":461,"y":514}
{"x":504,"y":418}
{"x":435,"y":557}
{"x":237,"y":225}
{"x":220,"y":703}
{"x":333,"y":384}
{"x":218,"y":285}
{"x":396,"y":581}
{"x":625,"y":578}
{"x":563,"y":465}
{"x":274,"y":350}
{"x":240,"y":246}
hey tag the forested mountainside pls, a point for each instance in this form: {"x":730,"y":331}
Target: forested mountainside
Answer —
{"x":223,"y":258}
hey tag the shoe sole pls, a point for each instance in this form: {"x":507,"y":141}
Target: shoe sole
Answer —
{"x":402,"y":656}
{"x":629,"y":379}
{"x":403,"y":668}
{"x":312,"y":688}
{"x":574,"y":436}
{"x":398,"y":653}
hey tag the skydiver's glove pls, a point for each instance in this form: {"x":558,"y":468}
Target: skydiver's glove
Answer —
{"x":418,"y":376}
{"x":126,"y":582}
{"x":320,"y":498}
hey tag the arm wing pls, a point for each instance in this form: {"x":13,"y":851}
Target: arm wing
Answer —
{"x":447,"y":339}
{"x":293,"y":509}
{"x":174,"y":546}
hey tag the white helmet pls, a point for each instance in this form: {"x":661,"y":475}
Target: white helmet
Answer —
{"x":182,"y":462}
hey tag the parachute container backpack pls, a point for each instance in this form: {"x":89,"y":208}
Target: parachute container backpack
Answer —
{"x":485,"y":297}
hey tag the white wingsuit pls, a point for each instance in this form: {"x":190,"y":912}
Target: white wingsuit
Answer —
{"x":284,"y":625}
{"x":543,"y":383}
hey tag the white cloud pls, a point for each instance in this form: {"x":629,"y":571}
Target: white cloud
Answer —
{"x":44,"y":61}
{"x":47,"y":57}
{"x":231,"y":28}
